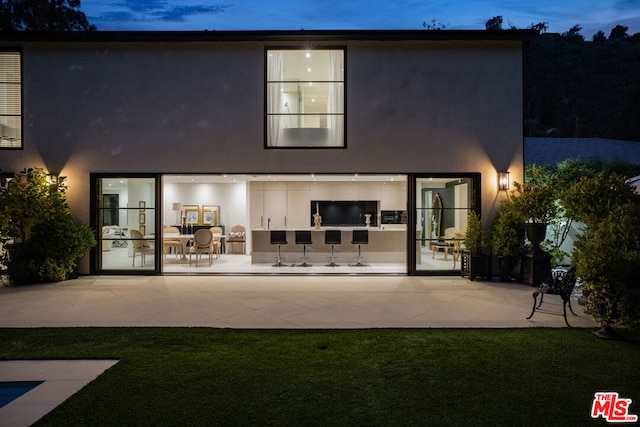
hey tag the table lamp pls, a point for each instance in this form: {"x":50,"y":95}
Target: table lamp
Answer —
{"x":178,"y":208}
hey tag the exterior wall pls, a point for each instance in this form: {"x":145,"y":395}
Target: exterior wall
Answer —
{"x":412,"y":106}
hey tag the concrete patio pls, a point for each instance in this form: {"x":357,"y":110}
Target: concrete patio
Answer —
{"x":309,"y":301}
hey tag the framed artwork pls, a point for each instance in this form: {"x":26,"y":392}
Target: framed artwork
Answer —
{"x":192,"y":216}
{"x":142,"y":205}
{"x":143,"y":229}
{"x":186,"y":208}
{"x":210,"y":215}
{"x":141,"y":218}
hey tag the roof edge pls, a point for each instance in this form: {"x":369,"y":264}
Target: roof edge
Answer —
{"x":270,"y":35}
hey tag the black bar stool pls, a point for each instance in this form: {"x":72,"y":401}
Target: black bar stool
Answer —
{"x":303,"y":237}
{"x":333,"y":237}
{"x":278,"y":237}
{"x":359,"y":237}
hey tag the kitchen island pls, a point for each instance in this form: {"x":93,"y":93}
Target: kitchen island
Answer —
{"x":387,"y":244}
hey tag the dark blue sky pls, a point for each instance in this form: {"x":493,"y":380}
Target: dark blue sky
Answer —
{"x":592,"y":15}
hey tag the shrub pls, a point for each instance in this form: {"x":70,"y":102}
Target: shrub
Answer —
{"x":606,"y":257}
{"x":34,"y":215}
{"x":507,"y":231}
{"x":475,"y":238}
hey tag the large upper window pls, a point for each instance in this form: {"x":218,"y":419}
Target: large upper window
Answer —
{"x":10,"y":100}
{"x":305,"y":98}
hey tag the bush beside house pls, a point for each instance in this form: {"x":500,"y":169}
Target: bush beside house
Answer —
{"x":607,"y":252}
{"x":44,"y":242}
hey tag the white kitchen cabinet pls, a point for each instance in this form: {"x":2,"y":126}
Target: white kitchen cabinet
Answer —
{"x":345,"y":190}
{"x":298,"y":209}
{"x":321,"y":191}
{"x":368,"y":191}
{"x":393,"y":196}
{"x":275,"y":205}
{"x":256,"y":209}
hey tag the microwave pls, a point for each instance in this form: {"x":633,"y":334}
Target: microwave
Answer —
{"x":393,"y":217}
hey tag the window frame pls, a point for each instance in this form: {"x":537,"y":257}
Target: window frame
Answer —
{"x":475,"y":204}
{"x":21,"y":92}
{"x":344,"y":98}
{"x":95,"y":222}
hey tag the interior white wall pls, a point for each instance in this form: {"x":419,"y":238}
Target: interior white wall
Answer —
{"x":231,"y":197}
{"x":140,"y":190}
{"x":462,"y":202}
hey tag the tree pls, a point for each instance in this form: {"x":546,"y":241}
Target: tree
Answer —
{"x":618,"y":32}
{"x":433,"y":25}
{"x":558,"y":68}
{"x":599,"y":37}
{"x":43,"y":15}
{"x":591,"y":199}
{"x":494,"y":23}
{"x":540,"y":27}
{"x":574,"y":33}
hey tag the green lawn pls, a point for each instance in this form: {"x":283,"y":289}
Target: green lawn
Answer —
{"x":373,"y":377}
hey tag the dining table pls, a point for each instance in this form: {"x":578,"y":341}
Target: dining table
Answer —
{"x":184,"y":239}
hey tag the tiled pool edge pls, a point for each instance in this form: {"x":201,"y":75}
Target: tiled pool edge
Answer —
{"x":62,"y":379}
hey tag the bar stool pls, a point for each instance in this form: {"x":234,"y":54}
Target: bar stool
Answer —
{"x":359,"y":237}
{"x":303,"y":237}
{"x":333,"y":237}
{"x":278,"y":237}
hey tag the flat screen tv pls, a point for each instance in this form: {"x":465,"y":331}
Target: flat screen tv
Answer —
{"x":339,"y":213}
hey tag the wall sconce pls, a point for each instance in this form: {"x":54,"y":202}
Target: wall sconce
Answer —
{"x":503,"y":181}
{"x":52,"y":178}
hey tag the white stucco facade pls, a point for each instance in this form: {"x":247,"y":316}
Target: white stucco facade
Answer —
{"x":415,"y":103}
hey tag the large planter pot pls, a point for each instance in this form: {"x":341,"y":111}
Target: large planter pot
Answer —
{"x":536,"y":264}
{"x":536,"y":232}
{"x":505,"y":266}
{"x":475,"y":266}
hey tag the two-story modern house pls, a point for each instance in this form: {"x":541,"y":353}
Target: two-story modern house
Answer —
{"x":359,"y":151}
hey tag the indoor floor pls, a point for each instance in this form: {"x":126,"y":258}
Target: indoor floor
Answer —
{"x":229,"y":263}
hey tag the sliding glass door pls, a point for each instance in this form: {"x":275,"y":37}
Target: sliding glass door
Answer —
{"x":125,"y":217}
{"x":441,"y":208}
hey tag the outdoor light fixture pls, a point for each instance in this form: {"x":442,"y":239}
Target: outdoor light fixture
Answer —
{"x":503,"y":181}
{"x":52,"y":178}
{"x":178,"y":208}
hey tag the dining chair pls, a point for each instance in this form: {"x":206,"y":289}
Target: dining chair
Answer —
{"x":139,"y":246}
{"x":168,"y":242}
{"x":216,"y":242}
{"x":202,"y":244}
{"x":237,"y":236}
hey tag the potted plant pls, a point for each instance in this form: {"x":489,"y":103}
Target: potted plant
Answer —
{"x":507,"y":239}
{"x":535,"y":200}
{"x":475,"y":263}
